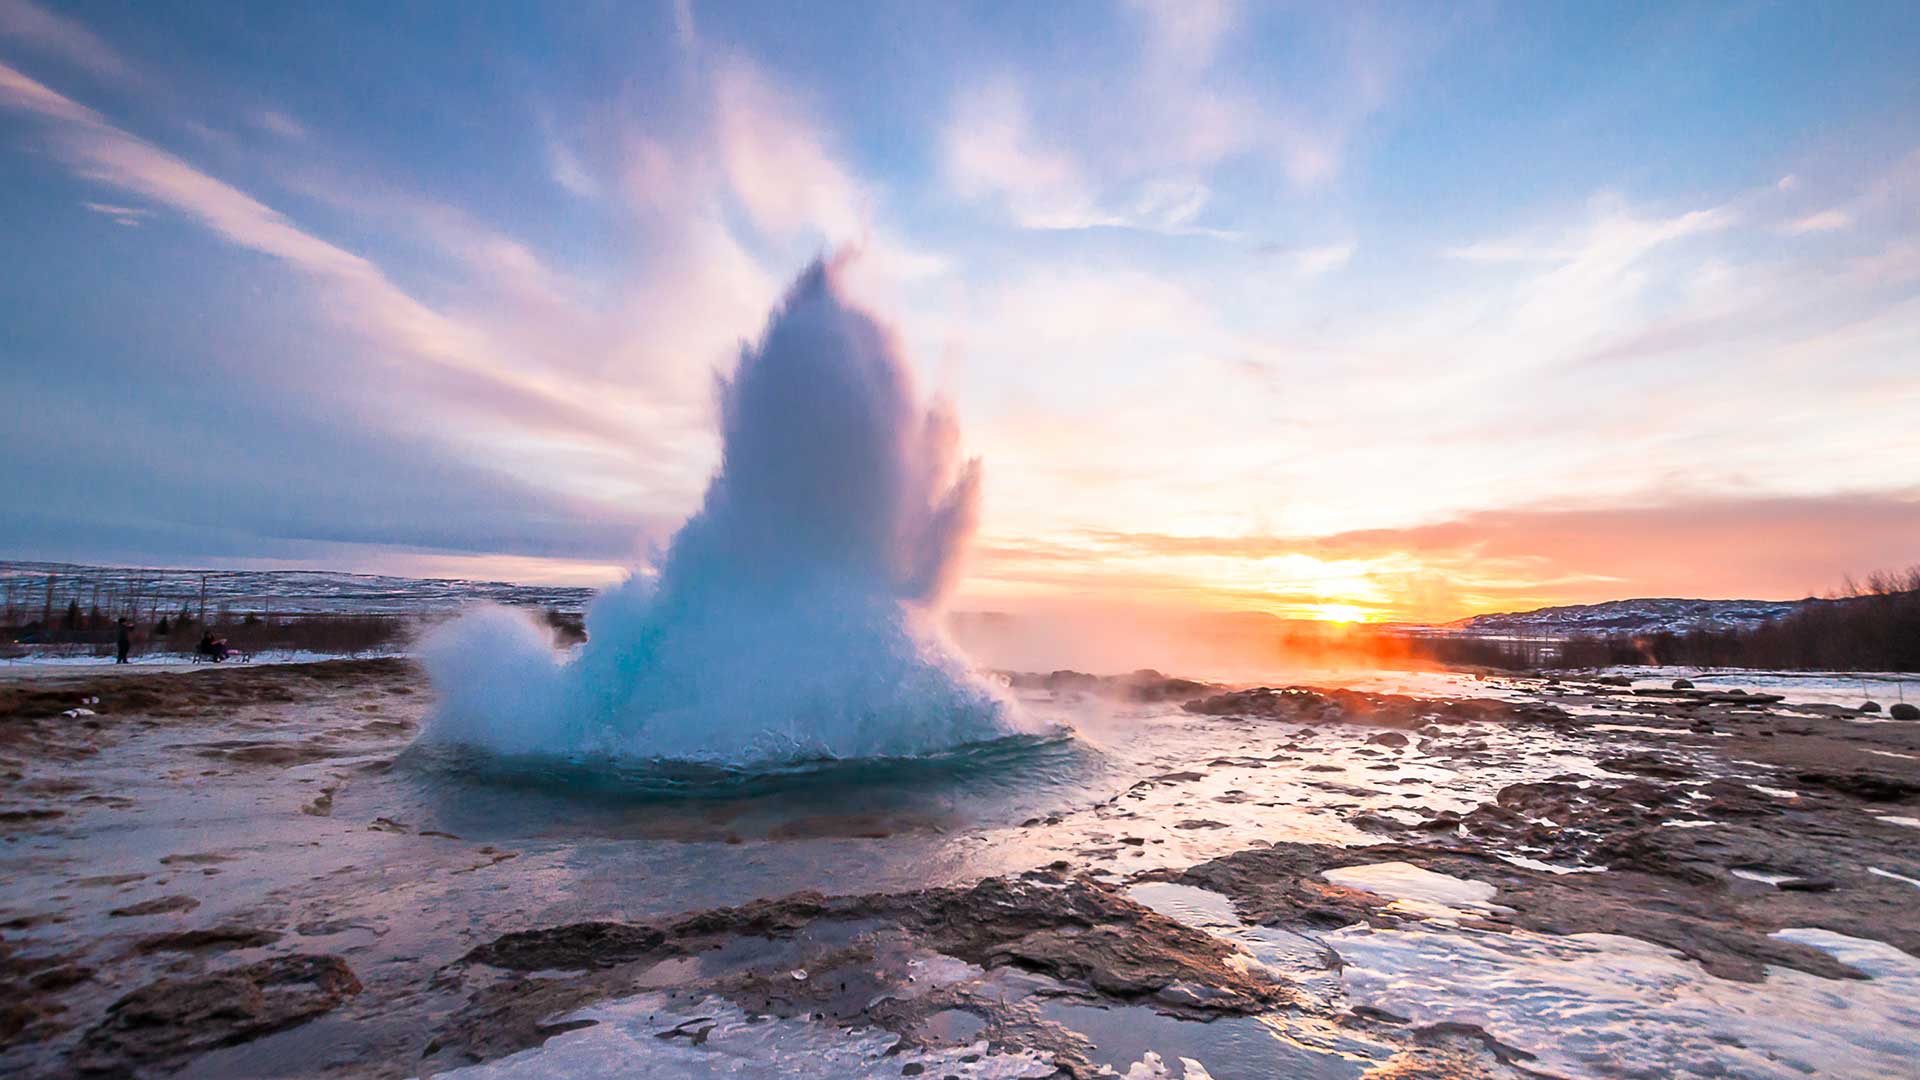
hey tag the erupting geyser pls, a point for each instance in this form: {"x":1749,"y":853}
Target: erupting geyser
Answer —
{"x":794,"y":615}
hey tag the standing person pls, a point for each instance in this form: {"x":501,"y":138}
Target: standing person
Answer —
{"x":123,"y":641}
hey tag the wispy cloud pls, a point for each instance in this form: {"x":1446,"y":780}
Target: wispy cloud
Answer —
{"x":54,"y":35}
{"x":564,"y":163}
{"x":990,"y":151}
{"x":362,"y":295}
{"x":131,"y":216}
{"x":1141,"y":152}
{"x":20,"y":92}
{"x":1509,"y":252}
{"x":1614,"y":233}
{"x":776,"y":163}
{"x":991,"y":154}
{"x":1825,"y":221}
{"x":278,"y":123}
{"x":1895,"y":264}
{"x":1313,"y":262}
{"x":1187,"y":33}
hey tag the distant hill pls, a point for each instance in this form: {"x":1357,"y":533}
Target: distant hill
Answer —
{"x":1639,"y":616}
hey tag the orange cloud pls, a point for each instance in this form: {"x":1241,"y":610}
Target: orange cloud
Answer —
{"x":1779,"y":547}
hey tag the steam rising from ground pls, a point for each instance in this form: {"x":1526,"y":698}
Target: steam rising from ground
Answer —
{"x":795,"y":615}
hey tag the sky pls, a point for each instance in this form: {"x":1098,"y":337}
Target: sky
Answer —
{"x":1349,"y":311}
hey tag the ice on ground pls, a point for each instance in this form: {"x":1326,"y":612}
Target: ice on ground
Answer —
{"x":665,"y":1037}
{"x":1848,"y":688}
{"x":1876,"y":958}
{"x":1894,"y":876}
{"x":1765,"y":877}
{"x":1152,"y":1066}
{"x":65,"y":662}
{"x":1601,"y":1005}
{"x":1547,"y":867}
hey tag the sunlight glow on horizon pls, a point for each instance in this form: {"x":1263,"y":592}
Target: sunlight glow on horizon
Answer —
{"x":1342,"y":613}
{"x":1317,"y":313}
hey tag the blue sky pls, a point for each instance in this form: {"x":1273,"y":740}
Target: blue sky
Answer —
{"x":1416,"y":309}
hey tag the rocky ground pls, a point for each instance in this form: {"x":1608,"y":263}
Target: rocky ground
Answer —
{"x":1724,"y":852}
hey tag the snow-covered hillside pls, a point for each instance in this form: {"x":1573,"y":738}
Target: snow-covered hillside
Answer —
{"x":1640,"y":616}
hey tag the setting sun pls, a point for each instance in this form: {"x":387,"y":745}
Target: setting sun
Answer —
{"x":1340,"y":613}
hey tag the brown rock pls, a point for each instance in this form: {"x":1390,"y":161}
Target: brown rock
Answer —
{"x":573,"y":947}
{"x":159,"y":905}
{"x":212,"y":937}
{"x":168,"y":1022}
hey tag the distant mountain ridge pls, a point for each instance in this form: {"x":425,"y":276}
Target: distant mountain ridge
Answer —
{"x":1646,"y":615}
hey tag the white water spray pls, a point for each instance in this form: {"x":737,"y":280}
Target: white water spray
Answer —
{"x":794,"y":616}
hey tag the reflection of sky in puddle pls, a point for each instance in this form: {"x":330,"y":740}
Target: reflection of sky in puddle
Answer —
{"x":1588,"y":1005}
{"x":1608,"y":1006}
{"x":1202,"y":909}
{"x":661,"y":1036}
{"x":1231,"y":1048}
{"x":1406,"y":882}
{"x":1295,"y":958}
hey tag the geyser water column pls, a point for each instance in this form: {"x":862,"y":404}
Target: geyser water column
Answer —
{"x":795,"y":615}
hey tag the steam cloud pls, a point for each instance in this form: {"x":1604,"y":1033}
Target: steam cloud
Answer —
{"x":794,"y":616}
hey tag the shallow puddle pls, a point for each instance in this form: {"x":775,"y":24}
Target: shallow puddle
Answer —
{"x":655,"y":1035}
{"x":1600,"y":1005}
{"x":1231,"y":1048}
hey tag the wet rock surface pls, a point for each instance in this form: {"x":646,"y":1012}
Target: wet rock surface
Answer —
{"x":1700,"y":820}
{"x":1145,"y":684}
{"x":574,"y":947}
{"x":853,"y":960}
{"x":1304,"y":705}
{"x":166,"y":1023}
